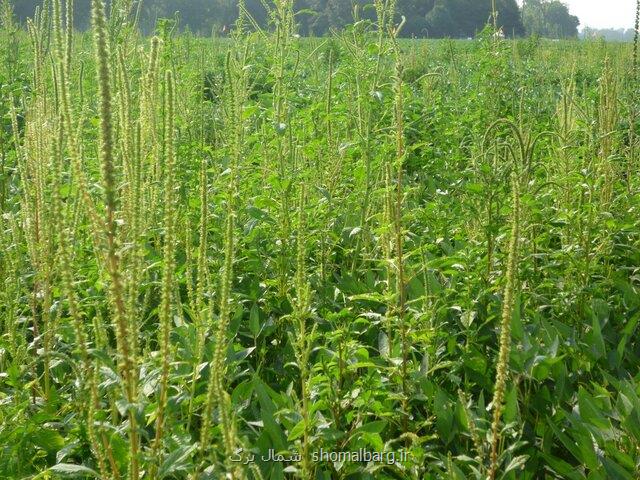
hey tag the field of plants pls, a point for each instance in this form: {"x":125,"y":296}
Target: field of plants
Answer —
{"x":352,"y":257}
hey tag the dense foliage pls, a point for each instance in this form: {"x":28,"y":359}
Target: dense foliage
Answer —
{"x":237,"y":258}
{"x":549,"y":19}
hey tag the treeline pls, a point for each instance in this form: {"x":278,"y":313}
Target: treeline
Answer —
{"x":549,"y":19}
{"x":424,"y":18}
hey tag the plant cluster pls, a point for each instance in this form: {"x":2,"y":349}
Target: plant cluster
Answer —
{"x":251,"y":257}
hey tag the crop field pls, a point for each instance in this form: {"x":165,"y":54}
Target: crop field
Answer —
{"x":263,"y":256}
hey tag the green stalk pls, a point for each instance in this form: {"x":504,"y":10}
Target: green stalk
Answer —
{"x":202,"y":306}
{"x":216,"y":391}
{"x":304,"y":340}
{"x":505,"y":327}
{"x":169,"y":262}
{"x":636,"y":43}
{"x":398,"y":230}
{"x":112,"y":255}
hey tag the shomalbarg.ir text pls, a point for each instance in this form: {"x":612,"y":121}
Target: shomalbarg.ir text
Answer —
{"x":361,"y":455}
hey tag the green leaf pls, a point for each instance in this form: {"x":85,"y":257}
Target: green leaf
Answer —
{"x":48,"y":440}
{"x":511,"y":406}
{"x":562,"y":468}
{"x":424,"y":364}
{"x":259,"y":214}
{"x":474,"y":187}
{"x":516,"y":463}
{"x":268,"y":409}
{"x":242,"y":392}
{"x":374,"y":440}
{"x":566,"y":441}
{"x":120,"y":449}
{"x":594,"y":337}
{"x":376,"y":426}
{"x":444,"y":415}
{"x":517,"y":330}
{"x":297,"y":431}
{"x":242,"y":354}
{"x":589,"y":412}
{"x":254,"y":320}
{"x":616,"y":471}
{"x":72,"y":470}
{"x":370,"y":297}
{"x":176,"y":460}
{"x":383,"y":344}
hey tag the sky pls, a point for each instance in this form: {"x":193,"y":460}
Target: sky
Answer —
{"x":603,"y":13}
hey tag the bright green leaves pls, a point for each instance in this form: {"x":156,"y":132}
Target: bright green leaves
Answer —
{"x":49,"y":440}
{"x":444,"y":410}
{"x":69,"y":470}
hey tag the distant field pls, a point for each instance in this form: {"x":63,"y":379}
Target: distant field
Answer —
{"x":352,"y":257}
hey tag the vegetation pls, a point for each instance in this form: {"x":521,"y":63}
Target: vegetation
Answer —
{"x":549,"y":18}
{"x":249,"y":257}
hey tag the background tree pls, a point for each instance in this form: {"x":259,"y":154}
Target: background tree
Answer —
{"x":549,"y":18}
{"x":464,"y":18}
{"x":416,"y":11}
